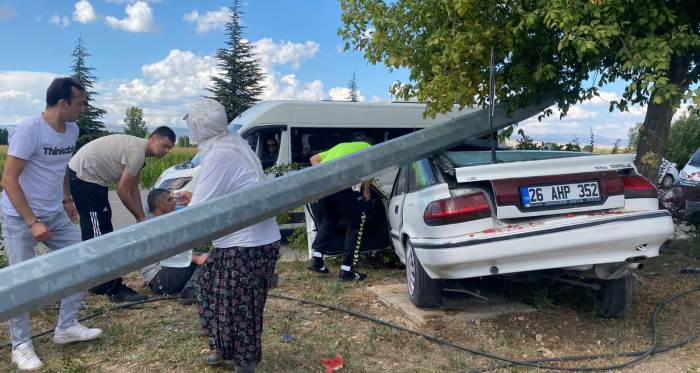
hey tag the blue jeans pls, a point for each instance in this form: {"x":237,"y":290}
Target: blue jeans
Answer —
{"x":19,"y":246}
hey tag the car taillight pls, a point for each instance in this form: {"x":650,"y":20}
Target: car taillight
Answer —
{"x":457,"y":209}
{"x":638,"y":187}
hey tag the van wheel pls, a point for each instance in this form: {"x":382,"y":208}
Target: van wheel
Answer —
{"x":615,"y":297}
{"x":422,"y":290}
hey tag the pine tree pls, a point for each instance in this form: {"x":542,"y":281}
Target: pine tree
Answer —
{"x":352,"y":86}
{"x":592,"y":139}
{"x":238,"y":88}
{"x":135,"y":125}
{"x":91,"y":127}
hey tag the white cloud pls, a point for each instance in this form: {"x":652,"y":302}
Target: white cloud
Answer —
{"x":578,"y":113}
{"x":634,"y":111}
{"x":84,"y":12}
{"x":209,"y":21}
{"x":284,"y":52}
{"x":343,"y":94}
{"x":285,"y":87}
{"x":603,"y":99}
{"x":182,"y":74}
{"x":12,"y":94}
{"x":139,"y":19}
{"x":165,"y":87}
{"x":288,"y":87}
{"x":60,"y":21}
{"x":22,"y":94}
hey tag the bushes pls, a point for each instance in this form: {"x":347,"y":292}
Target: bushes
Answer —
{"x":683,"y":138}
{"x":3,"y":156}
{"x":154,"y":166}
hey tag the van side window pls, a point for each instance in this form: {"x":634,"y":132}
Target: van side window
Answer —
{"x":252,"y":139}
{"x":307,"y":141}
{"x":266,"y":145}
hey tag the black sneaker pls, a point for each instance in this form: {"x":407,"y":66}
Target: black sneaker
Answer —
{"x":126,"y":294}
{"x":317,"y":265}
{"x":352,"y":275}
{"x":188,"y":296}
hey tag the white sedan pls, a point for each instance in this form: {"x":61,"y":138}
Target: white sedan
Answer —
{"x":589,"y":218}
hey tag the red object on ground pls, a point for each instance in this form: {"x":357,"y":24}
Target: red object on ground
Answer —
{"x":332,"y":364}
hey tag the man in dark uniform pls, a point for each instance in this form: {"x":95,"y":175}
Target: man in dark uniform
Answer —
{"x":347,"y":206}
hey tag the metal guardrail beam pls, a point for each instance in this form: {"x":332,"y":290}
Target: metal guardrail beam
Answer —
{"x":44,"y":279}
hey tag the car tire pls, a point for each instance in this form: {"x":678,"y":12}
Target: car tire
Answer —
{"x":422,"y":290}
{"x":615,"y":297}
{"x":667,"y":181}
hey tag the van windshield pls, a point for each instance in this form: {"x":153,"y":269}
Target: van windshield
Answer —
{"x":233,"y":128}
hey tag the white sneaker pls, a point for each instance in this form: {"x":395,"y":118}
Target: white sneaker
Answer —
{"x":76,"y":333}
{"x":25,"y":358}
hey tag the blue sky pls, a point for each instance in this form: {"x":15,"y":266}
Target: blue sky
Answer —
{"x":158,"y":55}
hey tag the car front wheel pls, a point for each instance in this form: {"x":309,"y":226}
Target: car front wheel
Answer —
{"x":422,"y":290}
{"x":615,"y":297}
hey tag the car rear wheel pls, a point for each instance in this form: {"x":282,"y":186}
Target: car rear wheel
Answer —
{"x":667,"y":181}
{"x":615,"y":297}
{"x":422,"y":290}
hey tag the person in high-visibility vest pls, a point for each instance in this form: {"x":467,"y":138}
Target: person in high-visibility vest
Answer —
{"x":347,"y":206}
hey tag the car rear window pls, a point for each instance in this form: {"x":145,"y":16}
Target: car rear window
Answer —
{"x":695,"y":161}
{"x":475,"y":158}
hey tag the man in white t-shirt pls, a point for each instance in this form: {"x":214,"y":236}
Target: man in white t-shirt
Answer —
{"x":37,"y":206}
{"x":114,"y":159}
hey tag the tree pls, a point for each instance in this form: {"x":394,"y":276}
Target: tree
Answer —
{"x":525,"y":142}
{"x":633,"y":138}
{"x":591,"y":142}
{"x":4,"y":136}
{"x":684,"y":138}
{"x":616,"y":146}
{"x":552,"y":146}
{"x":135,"y":125}
{"x":573,"y":145}
{"x":238,"y":87}
{"x":564,"y":49}
{"x":183,"y":141}
{"x":352,"y":87}
{"x":89,"y":122}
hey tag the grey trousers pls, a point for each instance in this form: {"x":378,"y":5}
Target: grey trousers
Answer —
{"x":19,"y":246}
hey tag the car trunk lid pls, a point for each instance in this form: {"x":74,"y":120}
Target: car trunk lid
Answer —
{"x":551,"y":186}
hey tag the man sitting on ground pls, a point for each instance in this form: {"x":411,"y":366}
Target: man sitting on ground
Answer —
{"x":178,"y":273}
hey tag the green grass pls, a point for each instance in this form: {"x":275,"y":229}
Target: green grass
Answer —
{"x":154,"y":167}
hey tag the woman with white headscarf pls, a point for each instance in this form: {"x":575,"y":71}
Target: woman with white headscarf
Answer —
{"x":235,"y":279}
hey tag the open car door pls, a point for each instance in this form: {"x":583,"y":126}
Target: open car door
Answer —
{"x":375,"y":234}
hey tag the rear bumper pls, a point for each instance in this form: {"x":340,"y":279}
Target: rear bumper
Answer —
{"x":692,"y":207}
{"x":605,"y":240}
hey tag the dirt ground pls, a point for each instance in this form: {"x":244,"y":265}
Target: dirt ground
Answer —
{"x":165,"y":336}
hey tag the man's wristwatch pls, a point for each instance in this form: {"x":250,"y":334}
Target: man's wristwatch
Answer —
{"x":69,"y":200}
{"x":36,"y":221}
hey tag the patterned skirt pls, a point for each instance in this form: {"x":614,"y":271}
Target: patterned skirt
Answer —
{"x":233,"y":286}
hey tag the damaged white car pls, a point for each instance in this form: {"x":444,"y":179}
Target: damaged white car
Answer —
{"x":586,"y":219}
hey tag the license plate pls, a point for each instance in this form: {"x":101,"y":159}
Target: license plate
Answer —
{"x":559,"y":194}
